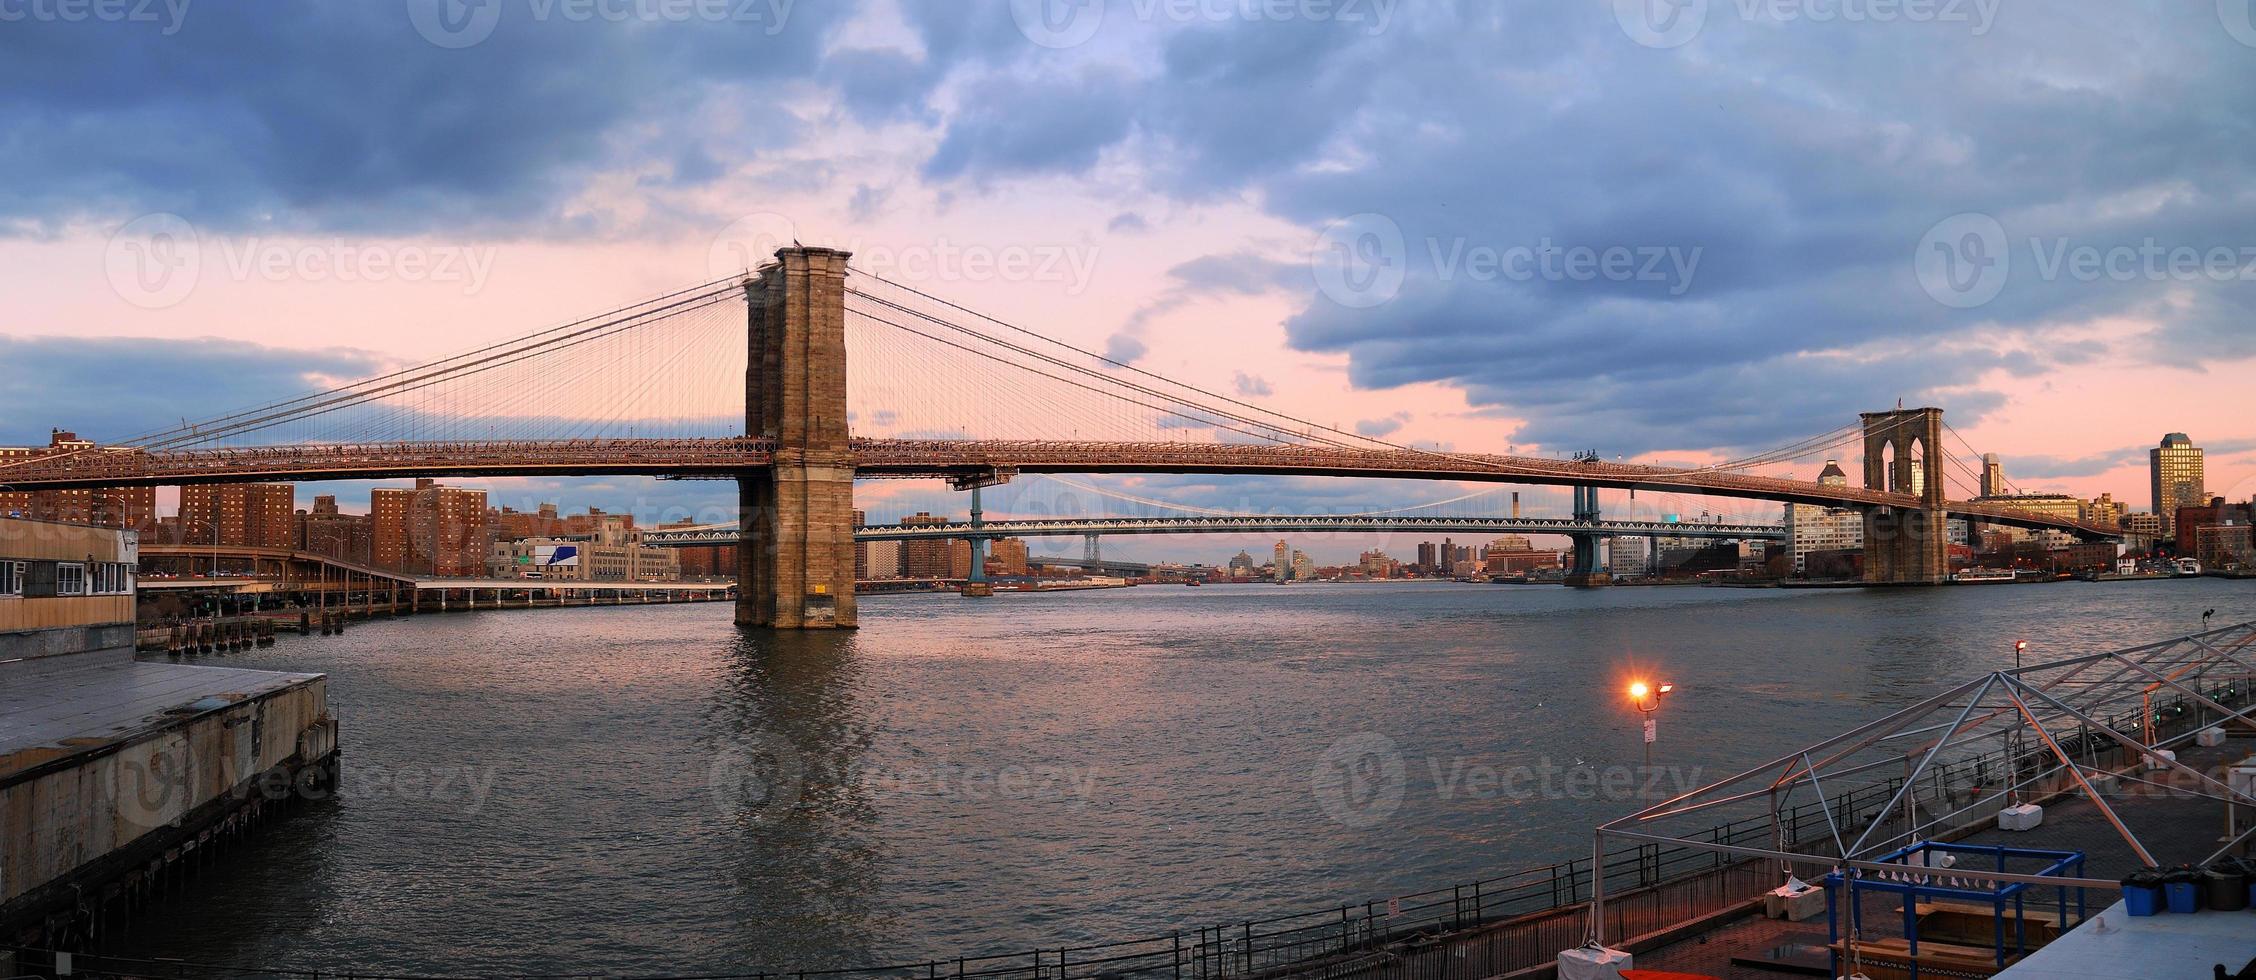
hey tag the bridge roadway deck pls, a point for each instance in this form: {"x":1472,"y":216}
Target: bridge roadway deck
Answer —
{"x":961,"y":461}
{"x":726,"y":534}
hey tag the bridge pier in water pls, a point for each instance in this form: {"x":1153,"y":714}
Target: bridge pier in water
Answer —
{"x":1903,"y":453}
{"x":1587,"y":571}
{"x":796,"y":516}
{"x":975,"y":584}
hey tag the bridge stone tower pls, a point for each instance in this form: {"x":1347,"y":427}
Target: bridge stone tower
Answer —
{"x":796,"y":519}
{"x":1903,"y":453}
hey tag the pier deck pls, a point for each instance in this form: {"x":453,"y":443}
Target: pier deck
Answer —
{"x":2176,"y":828}
{"x":94,"y":702}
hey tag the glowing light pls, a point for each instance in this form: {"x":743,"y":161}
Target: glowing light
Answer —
{"x":1638,"y":690}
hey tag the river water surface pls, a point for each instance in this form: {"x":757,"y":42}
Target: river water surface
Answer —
{"x":651,"y":790}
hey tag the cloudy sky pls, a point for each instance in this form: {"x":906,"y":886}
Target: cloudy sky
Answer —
{"x":1663,"y":229}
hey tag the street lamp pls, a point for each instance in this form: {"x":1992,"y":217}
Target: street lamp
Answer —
{"x":1647,"y":699}
{"x":2018,"y":646}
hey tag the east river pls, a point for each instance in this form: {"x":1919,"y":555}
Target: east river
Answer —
{"x":646,"y":789}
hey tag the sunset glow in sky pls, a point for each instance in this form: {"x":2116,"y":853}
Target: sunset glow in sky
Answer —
{"x":1671,"y":230}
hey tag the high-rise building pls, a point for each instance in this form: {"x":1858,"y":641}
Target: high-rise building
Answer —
{"x":1006,"y":556}
{"x":1993,"y":475}
{"x":326,"y":531}
{"x":1283,"y":569}
{"x":1303,"y":567}
{"x":1811,"y":528}
{"x":1241,"y":564}
{"x":387,"y":515}
{"x":2140,"y":524}
{"x":928,"y":557}
{"x":704,"y":561}
{"x":434,"y":530}
{"x":1376,"y":564}
{"x":861,"y":548}
{"x":2104,"y":509}
{"x":1629,"y":557}
{"x":252,"y":515}
{"x":2174,"y":469}
{"x":1429,"y":556}
{"x":885,"y":559}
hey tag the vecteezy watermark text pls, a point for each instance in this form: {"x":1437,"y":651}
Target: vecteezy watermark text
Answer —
{"x":1071,"y":23}
{"x":157,"y":261}
{"x":1363,"y":779}
{"x":467,"y":23}
{"x":1362,"y":261}
{"x":1672,"y":23}
{"x":1967,"y":259}
{"x":167,"y":15}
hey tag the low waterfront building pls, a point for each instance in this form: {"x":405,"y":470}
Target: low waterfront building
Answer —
{"x":2216,"y":513}
{"x":2224,"y":546}
{"x":613,"y":553}
{"x":112,"y":770}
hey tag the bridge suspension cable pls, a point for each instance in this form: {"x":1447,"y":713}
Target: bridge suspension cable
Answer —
{"x":664,"y":358}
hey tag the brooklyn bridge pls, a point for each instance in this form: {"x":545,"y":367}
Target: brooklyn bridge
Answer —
{"x":748,"y":378}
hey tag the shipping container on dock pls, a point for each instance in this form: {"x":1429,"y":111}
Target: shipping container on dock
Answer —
{"x":117,"y":775}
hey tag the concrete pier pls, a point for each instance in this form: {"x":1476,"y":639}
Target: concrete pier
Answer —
{"x":115,"y":773}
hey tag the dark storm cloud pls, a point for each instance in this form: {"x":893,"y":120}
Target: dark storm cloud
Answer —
{"x":342,"y":116}
{"x":1015,"y":127}
{"x":48,"y":379}
{"x":1781,"y":174}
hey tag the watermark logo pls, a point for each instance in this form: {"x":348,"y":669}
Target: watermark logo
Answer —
{"x":1360,"y":780}
{"x":1360,"y":261}
{"x":168,"y":15}
{"x":1058,"y":23}
{"x":454,"y":24}
{"x":1963,"y":261}
{"x":1674,"y":23}
{"x":1670,"y":266}
{"x":1071,"y":23}
{"x":157,"y":260}
{"x":751,"y":241}
{"x":1661,"y":23}
{"x":758,"y":780}
{"x":2239,"y":18}
{"x":154,"y":260}
{"x":458,"y":24}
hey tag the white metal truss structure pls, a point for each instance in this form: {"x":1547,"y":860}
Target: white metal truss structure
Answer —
{"x":2089,"y":726}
